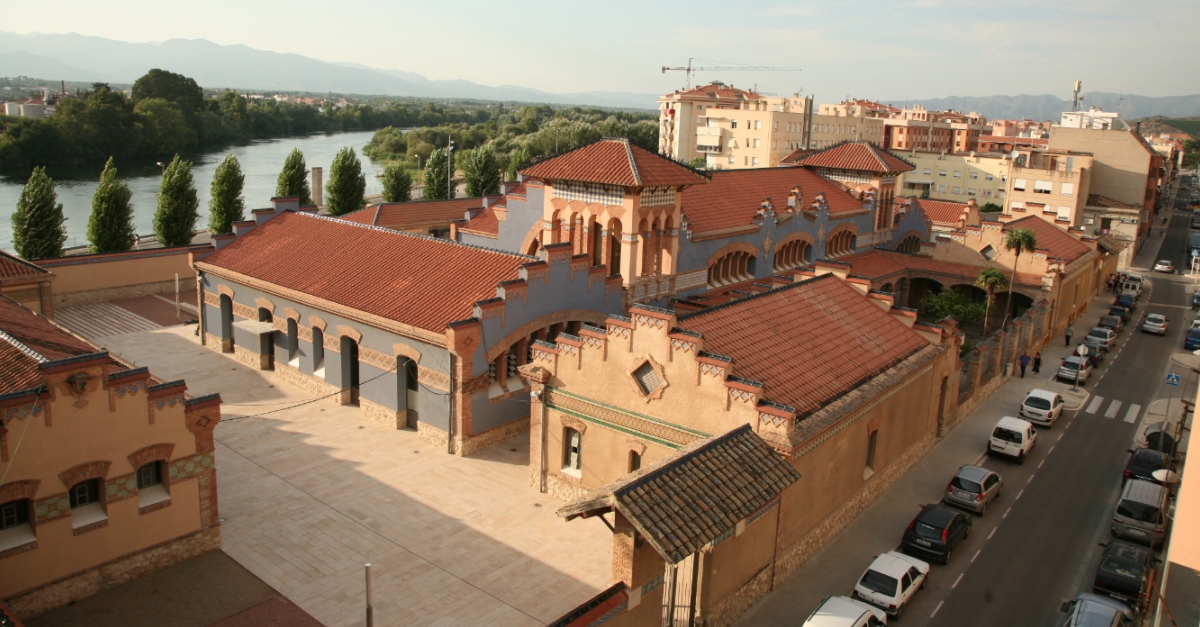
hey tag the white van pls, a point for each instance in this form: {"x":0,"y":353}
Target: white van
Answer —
{"x":1012,"y":437}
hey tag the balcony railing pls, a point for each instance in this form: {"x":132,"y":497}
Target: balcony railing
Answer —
{"x":707,"y":148}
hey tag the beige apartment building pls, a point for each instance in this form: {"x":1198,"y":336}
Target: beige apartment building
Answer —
{"x":733,"y":129}
{"x":1050,"y":184}
{"x":956,"y":177}
{"x":917,"y":128}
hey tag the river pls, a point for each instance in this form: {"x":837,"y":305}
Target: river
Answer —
{"x":260,"y":161}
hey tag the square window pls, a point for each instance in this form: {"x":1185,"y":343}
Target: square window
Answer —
{"x":928,"y":171}
{"x":957,"y":190}
{"x":756,"y":143}
{"x":648,"y":378}
{"x":149,"y":475}
{"x":84,"y":493}
{"x":988,"y":177}
{"x":14,"y":513}
{"x":974,"y":176}
{"x":957,"y":174}
{"x":941,"y":173}
{"x":754,"y":161}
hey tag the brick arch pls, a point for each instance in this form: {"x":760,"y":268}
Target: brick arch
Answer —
{"x":523,"y":331}
{"x":263,"y":303}
{"x":571,"y":422}
{"x":152,"y":453}
{"x":636,"y":446}
{"x":291,"y":314}
{"x":790,"y":251}
{"x":350,"y":332}
{"x":225,"y":290}
{"x":729,"y":248}
{"x":535,"y":233}
{"x":83,"y":472}
{"x":732,"y":263}
{"x":23,"y":489}
{"x":404,"y":350}
{"x":841,"y":241}
{"x":317,"y":323}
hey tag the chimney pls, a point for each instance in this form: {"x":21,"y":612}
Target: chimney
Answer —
{"x":318,"y":186}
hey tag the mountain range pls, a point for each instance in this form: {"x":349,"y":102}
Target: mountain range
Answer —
{"x":88,"y":58}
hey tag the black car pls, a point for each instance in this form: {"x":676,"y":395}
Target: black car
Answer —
{"x":1158,"y":438}
{"x":935,"y":532}
{"x":1196,"y":300}
{"x":1121,"y":313}
{"x":1143,"y":462}
{"x":1124,"y":572}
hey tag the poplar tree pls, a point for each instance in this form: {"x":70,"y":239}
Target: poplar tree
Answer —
{"x":38,"y":223}
{"x":293,"y":179}
{"x":226,"y":205}
{"x":110,"y":225}
{"x":347,"y":184}
{"x":397,"y":183}
{"x":517,"y":160}
{"x":175,"y":218}
{"x":436,"y":185}
{"x":481,"y":171}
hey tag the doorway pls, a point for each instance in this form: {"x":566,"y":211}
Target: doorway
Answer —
{"x":349,"y":350}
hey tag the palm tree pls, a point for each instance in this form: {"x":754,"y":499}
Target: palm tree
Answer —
{"x":1018,"y":241}
{"x":991,"y":280}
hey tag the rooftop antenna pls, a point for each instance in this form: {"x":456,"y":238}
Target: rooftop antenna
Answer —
{"x":690,"y":69}
{"x":1075,"y":97}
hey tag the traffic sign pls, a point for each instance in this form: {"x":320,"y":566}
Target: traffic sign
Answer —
{"x":1172,"y":379}
{"x":1082,"y":351}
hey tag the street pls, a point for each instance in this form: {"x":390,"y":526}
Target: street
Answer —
{"x":1039,"y":543}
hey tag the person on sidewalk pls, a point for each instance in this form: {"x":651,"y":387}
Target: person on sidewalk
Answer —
{"x":1037,"y":364}
{"x":1024,"y":361}
{"x":1069,"y":333}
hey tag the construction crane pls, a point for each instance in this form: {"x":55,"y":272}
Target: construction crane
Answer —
{"x":690,"y":69}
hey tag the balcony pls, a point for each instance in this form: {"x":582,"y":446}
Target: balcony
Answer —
{"x":708,"y":148}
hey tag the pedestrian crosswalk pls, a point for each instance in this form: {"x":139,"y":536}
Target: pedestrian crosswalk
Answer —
{"x":1114,"y":409}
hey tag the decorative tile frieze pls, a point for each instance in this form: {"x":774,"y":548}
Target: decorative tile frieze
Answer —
{"x":635,"y":424}
{"x":658,"y":196}
{"x":589,"y":193}
{"x":190,"y":466}
{"x":120,"y":488}
{"x":52,"y":507}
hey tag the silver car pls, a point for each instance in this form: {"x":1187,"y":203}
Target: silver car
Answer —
{"x":1155,"y":323}
{"x":973,"y":488}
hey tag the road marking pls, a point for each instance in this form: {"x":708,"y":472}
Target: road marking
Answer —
{"x":935,"y":610}
{"x":1039,"y":466}
{"x":1019,"y":495}
{"x":1113,"y":409}
{"x":1068,"y":426}
{"x":992,"y":533}
{"x":1059,"y":437}
{"x":1050,"y":451}
{"x":1031,"y":478}
{"x":960,"y":576}
{"x":1006,"y":512}
{"x":1096,"y":401}
{"x":1132,"y":414}
{"x":976,"y":555}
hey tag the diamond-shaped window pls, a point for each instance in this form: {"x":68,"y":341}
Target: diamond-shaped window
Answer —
{"x":648,"y":378}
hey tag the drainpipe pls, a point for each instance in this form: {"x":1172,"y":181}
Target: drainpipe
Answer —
{"x":453,"y":397}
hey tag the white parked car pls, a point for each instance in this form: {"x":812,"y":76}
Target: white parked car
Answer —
{"x":845,"y":612}
{"x":891,"y":580}
{"x":1042,"y":407}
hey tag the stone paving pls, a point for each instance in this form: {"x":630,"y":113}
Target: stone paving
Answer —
{"x":311,"y":492}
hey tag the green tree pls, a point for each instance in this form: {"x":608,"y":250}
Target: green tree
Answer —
{"x":517,"y":160}
{"x":436,"y":185}
{"x":226,"y":205}
{"x":952,"y":305}
{"x":175,"y":218}
{"x":110,"y":225}
{"x":481,"y":171}
{"x":397,"y":183}
{"x":991,"y":207}
{"x":347,"y":184}
{"x":165,"y":128}
{"x":990,"y":279}
{"x":293,"y":179}
{"x":1018,"y":241}
{"x":699,"y":163}
{"x":171,"y":87}
{"x":38,"y":224}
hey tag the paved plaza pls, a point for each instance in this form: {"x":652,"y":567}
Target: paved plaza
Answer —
{"x":310,"y":491}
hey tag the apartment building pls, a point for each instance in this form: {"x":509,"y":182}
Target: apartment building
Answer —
{"x":733,"y":129}
{"x":956,"y":177}
{"x":1050,"y":184}
{"x":917,"y":128}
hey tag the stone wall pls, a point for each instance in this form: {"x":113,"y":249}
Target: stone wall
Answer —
{"x":495,"y":436}
{"x":728,"y":610}
{"x":113,"y":573}
{"x":124,"y":291}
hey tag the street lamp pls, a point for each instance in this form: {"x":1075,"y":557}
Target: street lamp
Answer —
{"x":164,"y":168}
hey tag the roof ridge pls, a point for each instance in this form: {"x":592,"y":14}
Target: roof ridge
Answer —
{"x":637,"y":177}
{"x":416,"y":236}
{"x":23,"y":261}
{"x":19,"y":345}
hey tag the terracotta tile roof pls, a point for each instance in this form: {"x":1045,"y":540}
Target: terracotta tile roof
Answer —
{"x":401,"y":215}
{"x":411,"y":279}
{"x":942,"y":211}
{"x":720,"y":91}
{"x":614,"y":162}
{"x":12,"y":267}
{"x":27,"y":340}
{"x":878,"y":265}
{"x":1096,"y":200}
{"x":697,"y":494}
{"x":798,"y":155}
{"x":484,"y":223}
{"x":1059,"y":243}
{"x":841,"y":340}
{"x":860,"y":156}
{"x":733,"y":197}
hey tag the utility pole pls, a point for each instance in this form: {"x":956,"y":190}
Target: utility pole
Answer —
{"x":1075,"y":98}
{"x":450,"y":169}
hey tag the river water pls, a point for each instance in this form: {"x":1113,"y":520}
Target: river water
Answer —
{"x":260,"y":161}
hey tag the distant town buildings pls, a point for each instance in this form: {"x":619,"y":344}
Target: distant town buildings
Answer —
{"x":956,"y":176}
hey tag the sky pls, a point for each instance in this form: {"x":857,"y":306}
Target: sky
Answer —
{"x":893,"y":50}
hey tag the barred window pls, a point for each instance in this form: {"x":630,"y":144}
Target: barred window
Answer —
{"x":647,"y":378}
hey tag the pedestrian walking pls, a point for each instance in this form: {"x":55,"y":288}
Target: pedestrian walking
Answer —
{"x":1037,"y":364}
{"x":1069,"y":333}
{"x":1024,"y":361}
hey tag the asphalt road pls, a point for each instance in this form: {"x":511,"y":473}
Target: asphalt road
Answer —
{"x":1039,"y":544}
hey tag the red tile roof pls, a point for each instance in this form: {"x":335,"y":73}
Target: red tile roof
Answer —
{"x":27,"y":340}
{"x":1059,"y":243}
{"x":860,"y":156}
{"x":401,"y":215}
{"x":614,"y":162}
{"x":842,"y":340}
{"x":412,"y":279}
{"x":942,"y":211}
{"x":484,"y":223}
{"x":12,"y":267}
{"x":733,"y":197}
{"x":720,"y":91}
{"x":878,"y":265}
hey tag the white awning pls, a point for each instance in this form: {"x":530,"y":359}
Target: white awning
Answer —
{"x":255,"y":327}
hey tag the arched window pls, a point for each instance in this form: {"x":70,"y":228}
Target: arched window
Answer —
{"x":730,"y":268}
{"x":793,"y":254}
{"x":227,"y":323}
{"x":909,"y":245}
{"x":293,"y":342}
{"x":840,"y":243}
{"x":318,"y":351}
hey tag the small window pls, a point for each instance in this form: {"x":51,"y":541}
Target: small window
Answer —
{"x":941,"y":188}
{"x":1019,"y":185}
{"x":85,"y":493}
{"x":928,"y":171}
{"x":149,"y":475}
{"x":958,"y":174}
{"x":988,"y":177}
{"x":318,"y":352}
{"x":871,"y":440}
{"x":733,"y":124}
{"x":647,"y":378}
{"x":974,"y":176}
{"x":754,"y":161}
{"x":86,"y":508}
{"x":14,"y":513}
{"x":1067,"y":189}
{"x":635,"y":461}
{"x":731,"y":160}
{"x":988,"y":252}
{"x":757,"y":124}
{"x":957,"y":190}
{"x":941,"y":173}
{"x":151,"y":489}
{"x":572,"y":450}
